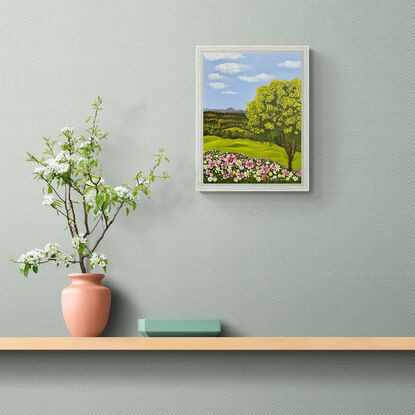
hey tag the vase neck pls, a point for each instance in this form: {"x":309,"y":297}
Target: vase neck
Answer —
{"x":81,"y":279}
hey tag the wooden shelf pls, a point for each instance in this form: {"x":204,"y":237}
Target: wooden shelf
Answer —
{"x":207,"y":343}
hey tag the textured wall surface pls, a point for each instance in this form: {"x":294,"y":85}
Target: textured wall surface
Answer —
{"x":338,"y":261}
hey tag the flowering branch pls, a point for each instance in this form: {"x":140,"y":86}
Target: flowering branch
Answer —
{"x":76,"y":170}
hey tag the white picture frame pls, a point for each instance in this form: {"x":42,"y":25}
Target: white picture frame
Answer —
{"x":262,"y":187}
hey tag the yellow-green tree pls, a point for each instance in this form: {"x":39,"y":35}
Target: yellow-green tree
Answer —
{"x":275,"y":115}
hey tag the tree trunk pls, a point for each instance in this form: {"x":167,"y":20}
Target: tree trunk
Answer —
{"x":290,"y":164}
{"x":82,"y":263}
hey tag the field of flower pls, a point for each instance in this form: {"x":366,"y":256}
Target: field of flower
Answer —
{"x":227,"y":167}
{"x":250,"y":148}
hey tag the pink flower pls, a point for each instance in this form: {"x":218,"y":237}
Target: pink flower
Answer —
{"x":243,"y":161}
{"x":207,"y":172}
{"x":299,"y":173}
{"x":241,"y":176}
{"x":208,"y":157}
{"x":258,"y":162}
{"x":211,"y":164}
{"x":223,"y":165}
{"x":226,"y":176}
{"x":264,"y":169}
{"x":264,"y":177}
{"x":221,"y":157}
{"x":286,"y":172}
{"x":250,"y":164}
{"x":273,"y":166}
{"x":230,"y":159}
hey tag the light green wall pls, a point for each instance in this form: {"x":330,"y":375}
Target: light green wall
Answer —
{"x":338,"y":261}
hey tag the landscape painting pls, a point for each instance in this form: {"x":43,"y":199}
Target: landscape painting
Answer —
{"x":252,"y":118}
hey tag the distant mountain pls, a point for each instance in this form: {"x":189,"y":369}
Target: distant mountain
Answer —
{"x":229,"y":110}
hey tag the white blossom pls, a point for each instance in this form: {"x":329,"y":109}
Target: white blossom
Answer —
{"x":98,"y":259}
{"x":90,"y":197}
{"x":32,"y":257}
{"x":78,"y":240}
{"x":64,"y":258}
{"x":124,"y":193}
{"x":48,"y":200}
{"x":57,"y":165}
{"x":121,"y":191}
{"x":52,"y":248}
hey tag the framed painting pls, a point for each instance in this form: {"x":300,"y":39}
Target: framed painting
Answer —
{"x":252,"y":118}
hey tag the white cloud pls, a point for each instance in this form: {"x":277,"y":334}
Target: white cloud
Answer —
{"x":214,"y":76}
{"x":218,"y":56}
{"x":231,"y":67}
{"x":257,"y":78}
{"x":229,"y":93}
{"x":290,"y":64}
{"x":217,"y":85}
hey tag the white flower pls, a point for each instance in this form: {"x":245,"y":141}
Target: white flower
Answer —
{"x":67,"y":130}
{"x":32,"y":257}
{"x":98,"y":259}
{"x":121,"y":191}
{"x":60,"y":156}
{"x":66,"y":259}
{"x":52,"y":248}
{"x":90,"y":197}
{"x":57,"y":165}
{"x":48,"y":200}
{"x":78,"y":240}
{"x":124,"y":193}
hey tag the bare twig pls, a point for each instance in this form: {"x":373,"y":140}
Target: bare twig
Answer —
{"x":107,"y":226}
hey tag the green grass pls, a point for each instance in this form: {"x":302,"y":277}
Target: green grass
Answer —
{"x":250,"y":148}
{"x":238,"y":129}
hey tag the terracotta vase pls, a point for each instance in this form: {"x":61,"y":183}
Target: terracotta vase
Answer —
{"x":86,"y":305}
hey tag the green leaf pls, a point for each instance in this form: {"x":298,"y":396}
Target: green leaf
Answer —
{"x":134,"y":204}
{"x":89,"y":189}
{"x":127,"y":211}
{"x":26,"y":269}
{"x":100,"y":199}
{"x":50,"y":189}
{"x":88,"y":119}
{"x":35,"y":269}
{"x":81,"y":248}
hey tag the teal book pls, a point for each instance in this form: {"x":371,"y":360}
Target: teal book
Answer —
{"x":179,"y":327}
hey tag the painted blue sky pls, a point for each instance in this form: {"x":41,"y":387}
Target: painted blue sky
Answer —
{"x":231,"y":79}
